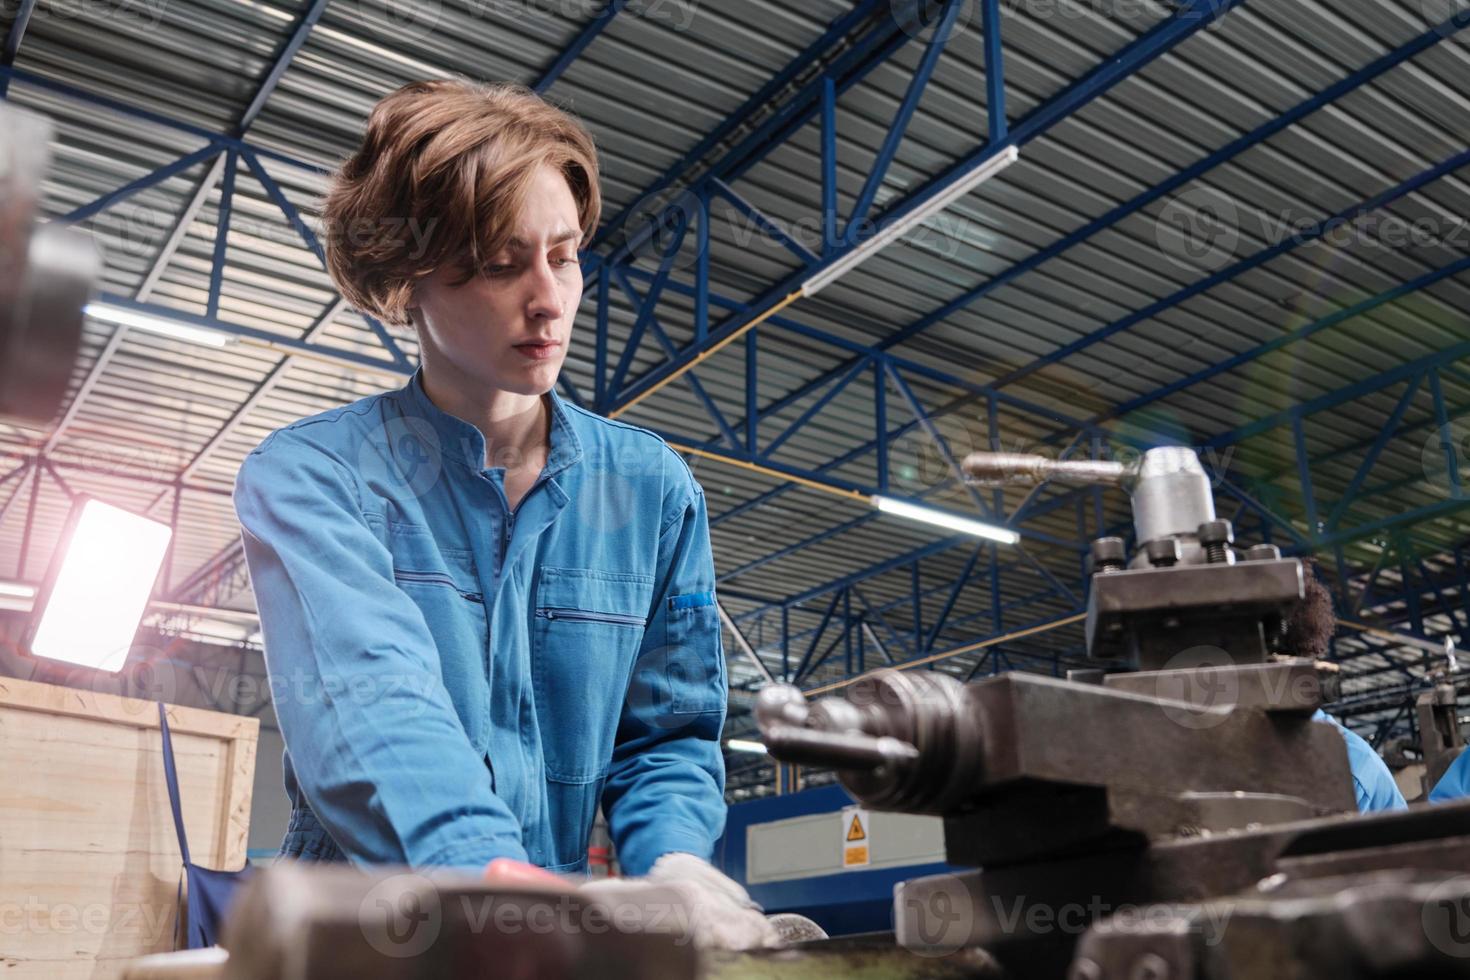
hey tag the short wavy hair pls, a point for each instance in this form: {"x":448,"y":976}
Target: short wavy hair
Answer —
{"x":440,"y":177}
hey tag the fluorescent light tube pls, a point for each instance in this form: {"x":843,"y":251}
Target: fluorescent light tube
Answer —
{"x":98,"y":587}
{"x":954,"y":522}
{"x":744,"y":745}
{"x":159,"y":325}
{"x":17,"y":590}
{"x":897,"y":229}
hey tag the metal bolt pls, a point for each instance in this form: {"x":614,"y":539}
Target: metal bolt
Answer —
{"x":1151,"y":966}
{"x":1216,"y":538}
{"x":1262,"y":552}
{"x":1108,"y":555}
{"x":1162,"y":552}
{"x":1085,"y":969}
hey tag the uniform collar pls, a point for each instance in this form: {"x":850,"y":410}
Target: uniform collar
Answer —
{"x":461,"y":441}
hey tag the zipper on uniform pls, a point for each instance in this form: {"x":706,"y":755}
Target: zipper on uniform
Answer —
{"x":435,"y":578}
{"x":583,"y":616}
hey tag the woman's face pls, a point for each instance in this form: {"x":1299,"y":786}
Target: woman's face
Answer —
{"x":507,"y":329}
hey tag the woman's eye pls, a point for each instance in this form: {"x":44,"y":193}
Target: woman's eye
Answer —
{"x":496,"y":270}
{"x":562,"y":263}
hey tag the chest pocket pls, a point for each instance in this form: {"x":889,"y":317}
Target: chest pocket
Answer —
{"x":443,"y":583}
{"x":588,"y":628}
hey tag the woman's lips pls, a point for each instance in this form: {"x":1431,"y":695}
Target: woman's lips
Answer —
{"x":538,"y":351}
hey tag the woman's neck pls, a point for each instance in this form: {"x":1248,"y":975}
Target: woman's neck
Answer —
{"x":516,"y":427}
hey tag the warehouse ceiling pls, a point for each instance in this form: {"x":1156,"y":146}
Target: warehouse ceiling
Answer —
{"x":1253,"y":242}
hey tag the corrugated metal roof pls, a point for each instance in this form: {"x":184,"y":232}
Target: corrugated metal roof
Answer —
{"x":651,"y":86}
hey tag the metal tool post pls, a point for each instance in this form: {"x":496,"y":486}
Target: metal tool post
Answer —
{"x":1192,"y":775}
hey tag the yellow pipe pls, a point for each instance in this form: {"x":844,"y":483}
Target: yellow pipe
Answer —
{"x":1399,"y":638}
{"x":980,"y":645}
{"x":706,"y":353}
{"x":767,"y":471}
{"x":1363,"y":627}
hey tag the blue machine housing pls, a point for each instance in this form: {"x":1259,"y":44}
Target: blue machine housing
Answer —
{"x":843,"y":903}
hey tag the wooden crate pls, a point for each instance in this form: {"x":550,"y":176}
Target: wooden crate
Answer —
{"x":89,"y":862}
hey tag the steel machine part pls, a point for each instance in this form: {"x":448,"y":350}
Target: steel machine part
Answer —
{"x":1183,"y":590}
{"x":1168,"y":486}
{"x":1440,"y":739}
{"x":1187,"y":778}
{"x":47,"y":274}
{"x":304,"y":922}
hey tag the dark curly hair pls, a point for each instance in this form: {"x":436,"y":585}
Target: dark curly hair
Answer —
{"x":1308,"y":631}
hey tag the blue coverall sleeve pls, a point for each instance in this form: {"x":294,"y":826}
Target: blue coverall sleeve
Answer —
{"x":378,"y":750}
{"x":666,"y":781}
{"x":1455,"y":783}
{"x":1373,"y":784}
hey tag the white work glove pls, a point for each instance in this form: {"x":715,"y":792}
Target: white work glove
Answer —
{"x":712,"y":910}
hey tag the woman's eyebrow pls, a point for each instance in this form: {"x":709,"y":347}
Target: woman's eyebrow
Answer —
{"x":565,"y":235}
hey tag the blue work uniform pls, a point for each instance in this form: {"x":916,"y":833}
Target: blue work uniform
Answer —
{"x":1455,"y":783}
{"x":458,"y":681}
{"x":1373,"y":784}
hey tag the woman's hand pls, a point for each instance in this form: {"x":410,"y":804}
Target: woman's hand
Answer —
{"x":505,"y":873}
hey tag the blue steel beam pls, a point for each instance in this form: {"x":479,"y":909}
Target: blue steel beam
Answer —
{"x":157,"y":176}
{"x":1204,"y":165}
{"x":1357,"y":389}
{"x":968,"y":624}
{"x":1192,"y":16}
{"x":844,"y":71}
{"x":1235,"y":270}
{"x":1133,"y":57}
{"x":155,"y":118}
{"x":996,"y":124}
{"x":918,"y":82}
{"x":222,"y":234}
{"x":18,"y":474}
{"x":993,"y":614}
{"x":801,"y":668}
{"x":255,"y":333}
{"x":1446,"y":439}
{"x":573,"y":51}
{"x":13,"y":38}
{"x":712,"y":409}
{"x":762,"y":221}
{"x":279,"y":64}
{"x":910,"y":560}
{"x":911,"y":367}
{"x":278,"y":195}
{"x":1389,"y":430}
{"x":1421,"y":282}
{"x":768,"y":93}
{"x":1211,"y":161}
{"x":656,"y":288}
{"x":1043,"y":622}
{"x":954,"y":594}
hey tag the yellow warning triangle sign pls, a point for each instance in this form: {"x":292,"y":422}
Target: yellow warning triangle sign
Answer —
{"x":856,"y":832}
